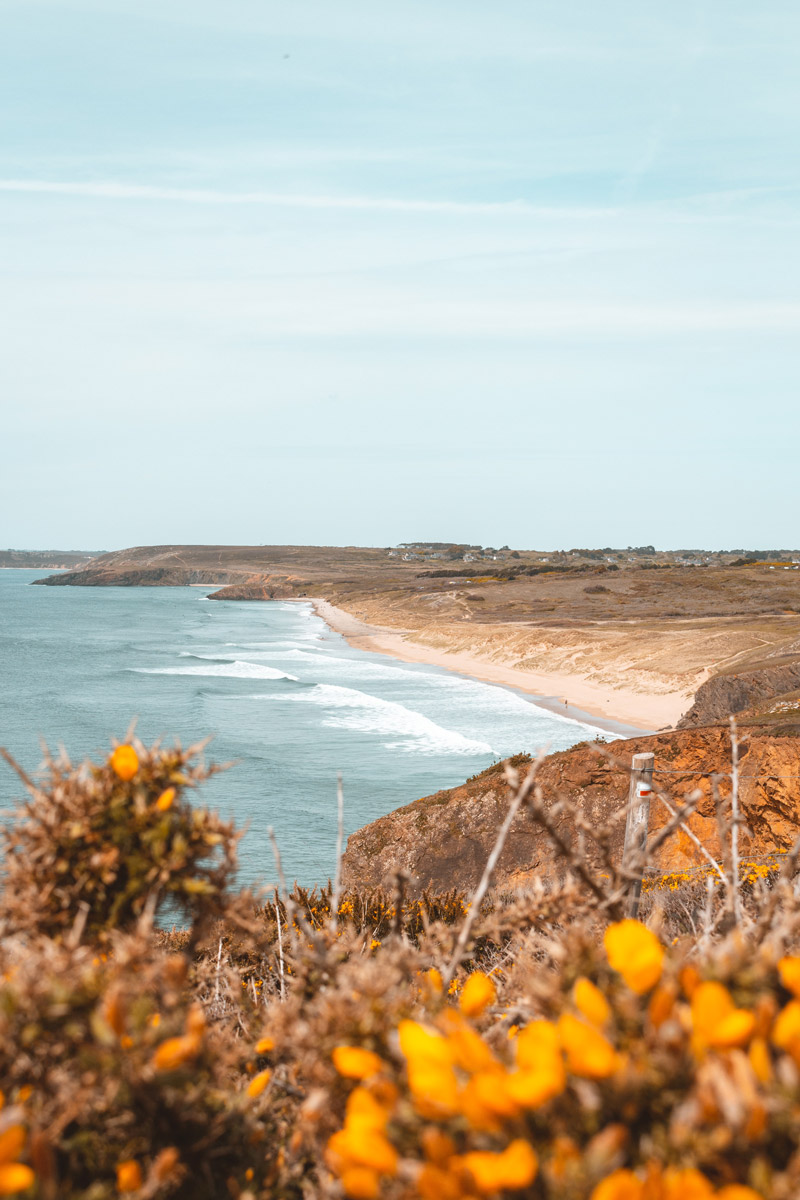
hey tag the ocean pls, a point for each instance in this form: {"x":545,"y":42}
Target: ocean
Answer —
{"x":286,"y":700}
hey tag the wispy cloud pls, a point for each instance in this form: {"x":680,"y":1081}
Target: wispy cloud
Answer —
{"x":110,"y":190}
{"x":126,"y":191}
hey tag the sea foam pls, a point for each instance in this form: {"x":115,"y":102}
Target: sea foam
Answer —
{"x":231,"y":670}
{"x":349,"y":708}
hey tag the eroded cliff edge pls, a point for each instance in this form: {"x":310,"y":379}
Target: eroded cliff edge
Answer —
{"x":443,"y":841}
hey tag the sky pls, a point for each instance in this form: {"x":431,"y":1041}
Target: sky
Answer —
{"x":358,"y":273}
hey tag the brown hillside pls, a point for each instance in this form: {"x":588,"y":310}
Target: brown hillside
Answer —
{"x":443,"y":840}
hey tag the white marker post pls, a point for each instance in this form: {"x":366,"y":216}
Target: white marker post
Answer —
{"x":637,"y":823}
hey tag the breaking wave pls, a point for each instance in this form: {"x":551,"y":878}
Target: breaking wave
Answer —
{"x":349,"y":708}
{"x":230,"y":670}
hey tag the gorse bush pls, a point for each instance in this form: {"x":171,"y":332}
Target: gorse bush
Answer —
{"x":541,"y":1046}
{"x":96,"y":844}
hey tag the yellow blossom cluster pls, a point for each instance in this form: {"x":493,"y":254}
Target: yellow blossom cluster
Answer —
{"x":15,"y":1176}
{"x":463,"y":1113}
{"x":750,"y":872}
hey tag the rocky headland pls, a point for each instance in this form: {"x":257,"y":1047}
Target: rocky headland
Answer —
{"x":443,"y":841}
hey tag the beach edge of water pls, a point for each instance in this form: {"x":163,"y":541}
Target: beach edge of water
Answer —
{"x":587,"y":703}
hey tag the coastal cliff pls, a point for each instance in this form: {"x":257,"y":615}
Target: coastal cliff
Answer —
{"x":771,"y":690}
{"x":132,"y":577}
{"x":443,"y":841}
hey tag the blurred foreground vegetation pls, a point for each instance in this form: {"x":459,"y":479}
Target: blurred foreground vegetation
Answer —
{"x":311,"y":1044}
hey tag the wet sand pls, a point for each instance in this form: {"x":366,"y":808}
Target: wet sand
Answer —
{"x":623,"y":712}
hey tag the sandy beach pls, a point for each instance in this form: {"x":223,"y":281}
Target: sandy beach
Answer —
{"x":622,"y":711}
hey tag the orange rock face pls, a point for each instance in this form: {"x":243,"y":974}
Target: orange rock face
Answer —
{"x":443,"y":840}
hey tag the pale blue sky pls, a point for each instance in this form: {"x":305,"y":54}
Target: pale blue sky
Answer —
{"x":365,"y":272}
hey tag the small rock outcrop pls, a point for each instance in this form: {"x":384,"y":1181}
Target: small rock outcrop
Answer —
{"x":742,"y":691}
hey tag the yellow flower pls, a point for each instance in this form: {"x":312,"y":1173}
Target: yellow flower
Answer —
{"x":531,"y":1088}
{"x":687,"y":1184}
{"x":434,"y":1088}
{"x":590,"y":1001}
{"x":437,"y":1183}
{"x":636,"y":953}
{"x":361,"y":1104}
{"x":789,"y":971}
{"x":469,"y":1050}
{"x":716,"y":1020}
{"x":353,"y":1062}
{"x":760,"y":1060}
{"x":15,"y":1177}
{"x":540,"y":1073}
{"x":129,"y":1176}
{"x":619,"y":1185}
{"x":662,"y":1003}
{"x":735,"y":1191}
{"x":512,"y":1169}
{"x":176,"y":1051}
{"x":487,"y":1097}
{"x":124,"y":762}
{"x":360,"y":1144}
{"x":196,"y":1021}
{"x":165,"y":800}
{"x":434,"y":979}
{"x":430,"y":1069}
{"x":536,"y":1039}
{"x":786,"y":1030}
{"x":477,"y":994}
{"x":421,"y":1044}
{"x":588,"y":1053}
{"x":362,"y":1183}
{"x":12,"y":1141}
{"x":257,"y":1084}
{"x":690,"y":979}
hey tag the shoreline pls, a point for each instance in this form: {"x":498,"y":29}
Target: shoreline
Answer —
{"x":586,"y":703}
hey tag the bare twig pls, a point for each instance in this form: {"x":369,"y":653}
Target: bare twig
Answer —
{"x":219,"y":964}
{"x":76,"y":933}
{"x":523,"y":791}
{"x":286,"y":899}
{"x":736,"y":898}
{"x":280,"y":951}
{"x":24,"y":776}
{"x":337,"y":878}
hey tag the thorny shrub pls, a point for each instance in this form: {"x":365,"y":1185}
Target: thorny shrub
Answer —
{"x":538,"y":1046}
{"x":95,"y":844}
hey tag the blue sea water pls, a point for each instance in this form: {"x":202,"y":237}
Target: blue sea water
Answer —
{"x":285,"y":698}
